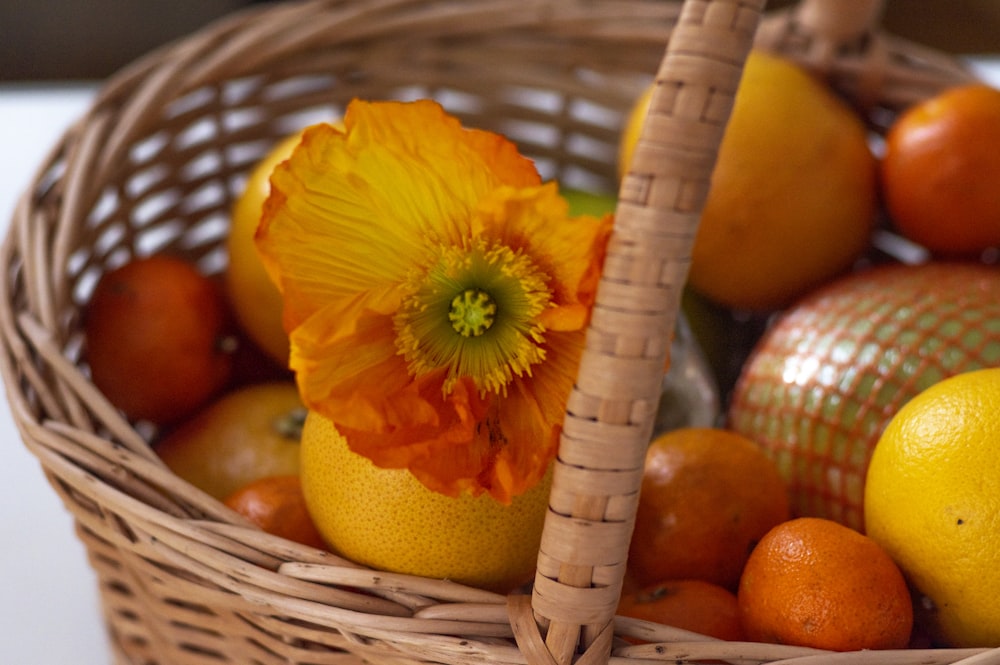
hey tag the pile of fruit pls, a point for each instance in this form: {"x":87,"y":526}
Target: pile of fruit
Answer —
{"x":843,"y":291}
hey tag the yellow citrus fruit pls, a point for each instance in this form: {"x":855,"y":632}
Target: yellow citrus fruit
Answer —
{"x":386,"y":519}
{"x":256,"y":301}
{"x":632,"y":129}
{"x":932,"y":500}
{"x":794,"y":192}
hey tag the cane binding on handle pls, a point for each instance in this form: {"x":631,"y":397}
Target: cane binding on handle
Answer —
{"x":842,"y":42}
{"x":594,"y":495}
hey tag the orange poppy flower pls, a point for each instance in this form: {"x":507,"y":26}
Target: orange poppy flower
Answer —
{"x":435,"y":293}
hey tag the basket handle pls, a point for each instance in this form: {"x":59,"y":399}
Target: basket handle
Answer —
{"x":839,"y":21}
{"x":842,"y":42}
{"x":609,"y":415}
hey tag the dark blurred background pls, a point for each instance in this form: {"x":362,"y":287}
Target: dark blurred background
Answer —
{"x":90,"y":39}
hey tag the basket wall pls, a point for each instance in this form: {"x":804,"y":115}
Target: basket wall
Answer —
{"x":154,"y":166}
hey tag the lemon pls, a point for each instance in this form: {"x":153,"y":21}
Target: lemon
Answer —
{"x":388,"y":520}
{"x":932,"y":500}
{"x":632,"y":129}
{"x":255,"y":299}
{"x":793,"y":194}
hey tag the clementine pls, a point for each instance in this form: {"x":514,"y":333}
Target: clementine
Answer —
{"x":276,"y":505}
{"x":816,"y":583}
{"x":158,"y":338}
{"x":707,"y":496}
{"x":248,"y":433}
{"x":940,"y":171}
{"x":695,"y":605}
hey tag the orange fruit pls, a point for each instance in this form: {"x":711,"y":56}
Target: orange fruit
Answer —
{"x":794,"y":192}
{"x":940,"y":171}
{"x":816,"y":583}
{"x":276,"y":505}
{"x":932,"y":500}
{"x":695,"y":605}
{"x":707,"y":496}
{"x":249,"y":433}
{"x":158,"y":338}
{"x":387,"y":519}
{"x":255,"y":299}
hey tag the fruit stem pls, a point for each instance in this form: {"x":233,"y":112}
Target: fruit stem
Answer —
{"x":289,"y":425}
{"x":227,"y":344}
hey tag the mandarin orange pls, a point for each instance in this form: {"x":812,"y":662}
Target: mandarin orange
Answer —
{"x":940,"y":171}
{"x":707,"y":496}
{"x":277,"y":506}
{"x":695,"y":605}
{"x":248,"y":433}
{"x":159,"y":339}
{"x":816,"y":583}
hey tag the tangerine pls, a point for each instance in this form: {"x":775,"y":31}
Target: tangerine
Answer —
{"x":707,"y":496}
{"x":255,"y":299}
{"x":248,"y":433}
{"x":276,"y":505}
{"x":695,"y":605}
{"x":813,"y":582}
{"x":158,"y":338}
{"x":940,"y":170}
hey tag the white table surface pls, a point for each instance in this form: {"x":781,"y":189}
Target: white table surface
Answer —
{"x":50,"y":613}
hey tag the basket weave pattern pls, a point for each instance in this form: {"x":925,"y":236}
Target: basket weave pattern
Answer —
{"x":154,"y":166}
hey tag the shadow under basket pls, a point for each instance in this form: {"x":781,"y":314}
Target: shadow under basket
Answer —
{"x":154,"y":166}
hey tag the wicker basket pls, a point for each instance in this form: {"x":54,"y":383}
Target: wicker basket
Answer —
{"x":154,"y":164}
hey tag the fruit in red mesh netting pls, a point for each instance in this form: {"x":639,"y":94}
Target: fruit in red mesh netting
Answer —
{"x":825,"y":380}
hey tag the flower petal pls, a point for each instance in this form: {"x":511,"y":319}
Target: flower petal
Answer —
{"x":432,"y":434}
{"x":570,"y":250}
{"x":361,"y":223}
{"x":339,"y":354}
{"x":358,"y":208}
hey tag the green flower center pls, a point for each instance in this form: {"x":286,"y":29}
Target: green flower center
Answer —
{"x":475,"y":312}
{"x":472,"y":312}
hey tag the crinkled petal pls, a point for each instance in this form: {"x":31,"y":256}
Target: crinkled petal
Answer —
{"x":432,"y":434}
{"x":501,"y":445}
{"x":360,"y":223}
{"x":570,"y":250}
{"x":339,"y":353}
{"x":357,"y":208}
